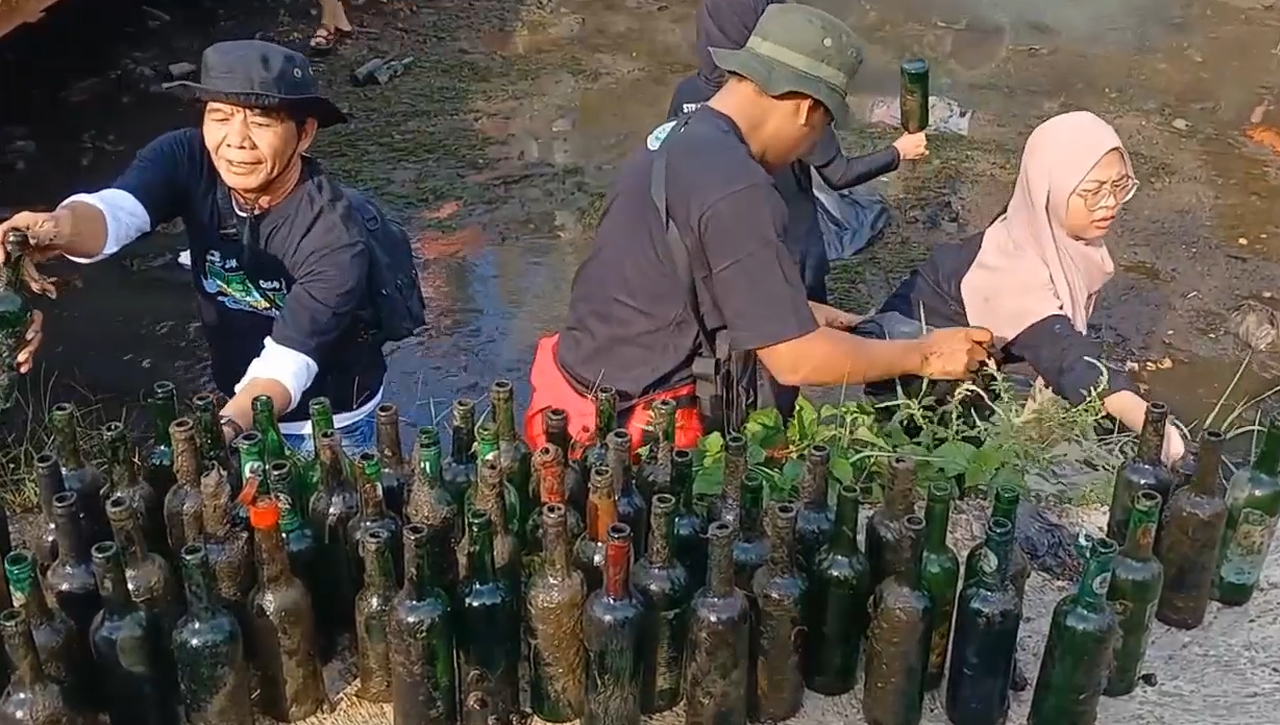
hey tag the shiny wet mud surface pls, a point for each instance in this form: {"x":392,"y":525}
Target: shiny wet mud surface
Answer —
{"x":497,"y":145}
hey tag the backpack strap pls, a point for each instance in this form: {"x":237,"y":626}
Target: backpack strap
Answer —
{"x":237,"y":227}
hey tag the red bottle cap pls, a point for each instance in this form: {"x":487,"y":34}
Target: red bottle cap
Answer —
{"x":264,"y":513}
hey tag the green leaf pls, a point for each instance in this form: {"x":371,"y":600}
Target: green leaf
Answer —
{"x":755,"y":455}
{"x":955,"y":457}
{"x":842,"y":470}
{"x":792,"y":470}
{"x":829,"y":412}
{"x":708,"y":481}
{"x":712,"y":442}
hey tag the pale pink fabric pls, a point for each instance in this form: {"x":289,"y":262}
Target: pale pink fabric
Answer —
{"x":1028,"y":267}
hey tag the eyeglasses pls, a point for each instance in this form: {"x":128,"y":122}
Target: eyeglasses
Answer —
{"x":1117,"y":192}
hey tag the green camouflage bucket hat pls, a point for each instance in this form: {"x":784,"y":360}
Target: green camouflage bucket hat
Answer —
{"x":798,"y":49}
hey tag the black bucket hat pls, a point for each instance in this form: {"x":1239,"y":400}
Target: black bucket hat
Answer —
{"x":258,"y":74}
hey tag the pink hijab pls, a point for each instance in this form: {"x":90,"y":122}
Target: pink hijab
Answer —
{"x":1028,"y":267}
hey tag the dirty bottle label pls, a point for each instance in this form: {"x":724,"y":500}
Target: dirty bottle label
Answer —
{"x":986,"y":562}
{"x":1101,"y":583}
{"x":1247,"y":550}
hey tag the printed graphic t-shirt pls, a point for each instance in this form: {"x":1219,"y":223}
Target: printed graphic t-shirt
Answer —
{"x":303,"y":283}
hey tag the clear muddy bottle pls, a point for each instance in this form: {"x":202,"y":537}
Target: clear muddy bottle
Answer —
{"x":513,"y":452}
{"x":898,"y":638}
{"x":632,"y":509}
{"x":32,"y":698}
{"x":227,"y":548}
{"x":728,"y":505}
{"x":549,"y":475}
{"x":69,"y":580}
{"x":49,"y":484}
{"x":488,"y":496}
{"x":333,"y":510}
{"x":150,"y":580}
{"x":395,"y":474}
{"x":79,"y":474}
{"x":62,"y":649}
{"x":183,"y":509}
{"x":1144,"y":472}
{"x":555,"y":425}
{"x":15,"y":314}
{"x":839,"y":591}
{"x":373,"y":515}
{"x":138,"y":691}
{"x":1077,"y":653}
{"x":1190,"y":538}
{"x":602,"y":512}
{"x":213,"y":446}
{"x":123,"y":480}
{"x":751,"y":548}
{"x":985,"y":644}
{"x":554,"y":600}
{"x":431,"y":506}
{"x":654,"y":473}
{"x":778,"y":631}
{"x":1253,"y":506}
{"x":157,"y":467}
{"x":611,"y":632}
{"x":816,"y":519}
{"x":373,"y":614}
{"x":208,"y":645}
{"x":424,"y":678}
{"x":459,"y":473}
{"x":887,"y":538}
{"x":489,"y":633}
{"x":690,"y":523}
{"x":940,"y":576}
{"x":597,"y":454}
{"x":663,"y":585}
{"x":1136,"y":580}
{"x":719,"y":636}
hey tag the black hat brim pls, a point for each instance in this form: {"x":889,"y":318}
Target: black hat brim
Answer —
{"x":324,"y":111}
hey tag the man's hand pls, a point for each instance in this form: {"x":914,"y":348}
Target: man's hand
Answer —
{"x":41,"y":228}
{"x":954,"y":353}
{"x":829,"y":316}
{"x":31,"y":342}
{"x":912,"y":146}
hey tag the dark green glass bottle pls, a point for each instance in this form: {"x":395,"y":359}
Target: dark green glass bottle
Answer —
{"x":300,"y":544}
{"x":122,"y":479}
{"x":334,"y":509}
{"x":460,"y":470}
{"x":158,"y":469}
{"x":1253,"y":506}
{"x":150,"y":580}
{"x":597,"y":454}
{"x":253,"y":464}
{"x":31,"y":698}
{"x":513,"y":452}
{"x":663,"y":586}
{"x":228,"y":549}
{"x":49,"y":481}
{"x":424,"y":678}
{"x":183,"y":508}
{"x":1136,"y":580}
{"x":719,"y":640}
{"x":62,"y":651}
{"x":913,"y":97}
{"x":373,"y":515}
{"x":550,"y":472}
{"x":632,"y":509}
{"x":897,"y":649}
{"x":940,"y":575}
{"x":69,"y":580}
{"x":839,"y":591}
{"x":1190,"y":538}
{"x":985,"y":645}
{"x":264,"y":422}
{"x":373,"y":613}
{"x":886,"y":536}
{"x":554,"y":601}
{"x":208,"y":645}
{"x":1077,"y":653}
{"x":489,"y":635}
{"x":78,"y":474}
{"x":555,"y":425}
{"x":1144,"y":472}
{"x":690,"y":522}
{"x":320,"y":411}
{"x":432,"y":506}
{"x":1004,"y":506}
{"x":777,"y":623}
{"x":816,"y":519}
{"x":752,"y":545}
{"x":15,"y":314}
{"x":728,"y":505}
{"x":611,"y":623}
{"x":488,"y":496}
{"x":213,"y":446}
{"x":395,"y":474}
{"x":588,"y":552}
{"x":654,"y":472}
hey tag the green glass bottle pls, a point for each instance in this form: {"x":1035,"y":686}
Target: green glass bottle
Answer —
{"x":373,"y":612}
{"x":460,"y":470}
{"x":940,"y":575}
{"x":253,"y":462}
{"x":158,"y":470}
{"x":1253,"y":506}
{"x":985,"y":644}
{"x":487,"y":496}
{"x":690,"y":521}
{"x":488,"y":638}
{"x":63,"y":653}
{"x":751,"y":548}
{"x":555,"y":425}
{"x":208,"y":645}
{"x":654,"y":473}
{"x":839,"y":590}
{"x":334,"y":508}
{"x":513,"y":452}
{"x":15,"y":314}
{"x":213,"y":446}
{"x":816,"y":519}
{"x":433,"y":507}
{"x":554,"y":601}
{"x":1004,"y":506}
{"x":898,"y":637}
{"x":320,"y":413}
{"x":373,"y":515}
{"x":1144,"y":472}
{"x":183,"y":508}
{"x":913,"y":98}
{"x":662,"y":584}
{"x":395,"y":474}
{"x":1191,"y":536}
{"x":264,"y":422}
{"x":122,"y":476}
{"x":588,"y":551}
{"x":719,"y":640}
{"x":79,"y":474}
{"x":424,"y":678}
{"x":886,"y":534}
{"x":487,"y":449}
{"x":1077,"y":654}
{"x":777,"y":623}
{"x":301,"y":545}
{"x":32,"y":696}
{"x":611,"y":621}
{"x":1136,"y":580}
{"x":549,"y":474}
{"x":632,"y":509}
{"x":728,"y":505}
{"x":597,"y":454}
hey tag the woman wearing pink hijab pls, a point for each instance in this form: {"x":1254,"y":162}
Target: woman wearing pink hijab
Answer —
{"x":1032,"y":277}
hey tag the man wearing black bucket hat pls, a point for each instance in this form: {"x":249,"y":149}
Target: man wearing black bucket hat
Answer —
{"x":688,"y":281}
{"x":299,"y":280}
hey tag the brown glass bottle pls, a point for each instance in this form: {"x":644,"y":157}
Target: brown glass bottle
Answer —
{"x":897,"y":650}
{"x":631,"y":506}
{"x":227,"y":548}
{"x":719,"y":635}
{"x":49,"y":480}
{"x":151,"y":583}
{"x":816,"y":519}
{"x":690,"y":522}
{"x":602,"y":512}
{"x":1190,"y":539}
{"x":70,"y":580}
{"x":554,"y":601}
{"x":727,"y":506}
{"x":555,"y":426}
{"x":654,"y":473}
{"x":837,"y":603}
{"x":611,"y":632}
{"x":777,"y":622}
{"x":32,"y":698}
{"x":78,"y":474}
{"x":459,"y":473}
{"x":136,"y":686}
{"x":290,"y":681}
{"x":373,"y":514}
{"x":373,"y":610}
{"x":488,"y":496}
{"x":550,"y":471}
{"x":62,"y":650}
{"x":208,"y":646}
{"x":395,"y":474}
{"x":182,"y":507}
{"x":489,"y":633}
{"x":1144,"y":472}
{"x":333,"y":509}
{"x":662,"y":583}
{"x":432,"y":506}
{"x":122,"y":479}
{"x":887,"y":539}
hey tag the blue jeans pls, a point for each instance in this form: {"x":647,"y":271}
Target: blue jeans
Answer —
{"x":357,"y":437}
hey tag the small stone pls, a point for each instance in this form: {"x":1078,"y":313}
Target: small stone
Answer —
{"x":1149,"y":679}
{"x":182,"y":71}
{"x":1267,"y":295}
{"x":1164,"y":363}
{"x":1181,"y":124}
{"x":562,"y":125}
{"x":1242,"y":242}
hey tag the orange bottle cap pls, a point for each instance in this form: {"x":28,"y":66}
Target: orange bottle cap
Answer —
{"x":264,"y":513}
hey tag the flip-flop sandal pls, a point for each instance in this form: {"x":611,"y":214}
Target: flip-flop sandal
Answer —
{"x":325,"y":39}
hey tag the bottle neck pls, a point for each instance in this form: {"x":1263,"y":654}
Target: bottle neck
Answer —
{"x":555,"y":545}
{"x":682,"y":480}
{"x":1151,"y":440}
{"x":333,"y":473}
{"x":69,"y":532}
{"x":209,"y":432}
{"x":813,"y":483}
{"x":602,"y":512}
{"x":720,"y":565}
{"x":557,"y":433}
{"x":164,"y":410}
{"x":619,"y":466}
{"x":128,"y":536}
{"x":844,"y":539}
{"x":750,"y":515}
{"x":489,"y":498}
{"x":1005,"y":505}
{"x":264,"y":421}
{"x":486,"y":444}
{"x":617,"y":570}
{"x":1092,"y":591}
{"x":1208,"y":462}
{"x":119,"y":462}
{"x":389,"y":448}
{"x":551,"y":479}
{"x":429,"y":465}
{"x":66,"y":439}
{"x":504,"y":417}
{"x":273,"y":560}
{"x":463,"y":437}
{"x":480,"y":555}
{"x":782,"y":543}
{"x":321,"y":420}
{"x":735,"y":469}
{"x":1268,"y":461}
{"x":21,"y":646}
{"x":24,"y":587}
{"x":993,"y":570}
{"x":49,"y":478}
{"x":606,"y":417}
{"x":113,"y":585}
{"x":186,"y":459}
{"x":900,"y":496}
{"x":371,"y":503}
{"x":937,"y":518}
{"x":377,"y":566}
{"x":661,"y":535}
{"x":197,"y":582}
{"x":215,"y":503}
{"x":1141,"y":536}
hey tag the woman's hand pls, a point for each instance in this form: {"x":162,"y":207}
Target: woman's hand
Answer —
{"x":912,"y":146}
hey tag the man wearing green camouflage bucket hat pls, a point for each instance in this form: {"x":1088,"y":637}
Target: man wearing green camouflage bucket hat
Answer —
{"x":688,"y":282}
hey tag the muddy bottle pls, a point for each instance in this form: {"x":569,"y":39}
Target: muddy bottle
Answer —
{"x":123,"y":480}
{"x":15,"y":314}
{"x":460,"y":470}
{"x":61,"y":647}
{"x":208,"y":645}
{"x":334,"y":509}
{"x":49,"y":482}
{"x":550,"y":471}
{"x":886,"y":531}
{"x":373,"y":515}
{"x":1077,"y":653}
{"x":158,"y":466}
{"x":136,"y":686}
{"x":1253,"y":506}
{"x":985,"y":645}
{"x":373,"y":612}
{"x":839,"y":590}
{"x":300,"y":543}
{"x":288,"y":663}
{"x":430,"y":505}
{"x":555,"y":425}
{"x":663,"y":585}
{"x":228,"y":549}
{"x":816,"y":519}
{"x":70,"y":580}
{"x":940,"y":576}
{"x":253,"y":467}
{"x":320,"y":411}
{"x":78,"y":474}
{"x":424,"y":679}
{"x":213,"y":446}
{"x":183,"y":510}
{"x":513,"y":452}
{"x":150,"y":581}
{"x":264,"y":423}
{"x":488,"y":637}
{"x":632,"y":509}
{"x":611,"y":631}
{"x":654,"y":473}
{"x":488,"y":496}
{"x":719,"y":636}
{"x":777,"y":622}
{"x":1144,"y":472}
{"x":727,"y":505}
{"x":1005,"y":506}
{"x":597,"y":454}
{"x":898,"y":637}
{"x":752,"y":545}
{"x":32,"y":698}
{"x":395,"y":474}
{"x":554,"y":601}
{"x":602,"y":512}
{"x":1189,"y":540}
{"x":487,"y":449}
{"x":1136,"y":580}
{"x":690,"y":524}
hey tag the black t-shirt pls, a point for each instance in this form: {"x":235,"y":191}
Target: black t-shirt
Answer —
{"x":303,"y":284}
{"x":629,"y":322}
